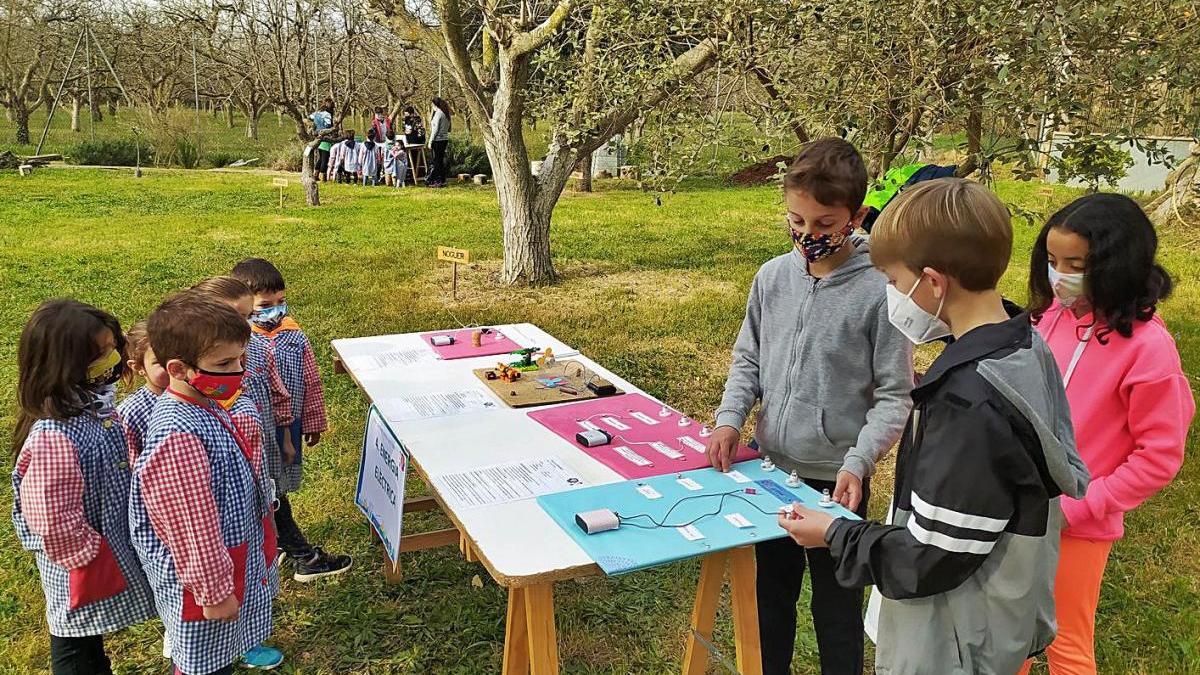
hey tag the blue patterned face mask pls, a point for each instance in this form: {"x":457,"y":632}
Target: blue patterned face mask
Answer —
{"x":269,"y":316}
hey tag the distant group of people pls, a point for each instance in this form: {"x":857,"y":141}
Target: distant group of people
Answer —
{"x":382,"y":156}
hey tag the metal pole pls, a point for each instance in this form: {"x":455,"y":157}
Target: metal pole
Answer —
{"x":53,"y":105}
{"x":128,"y":101}
{"x":87,"y":50}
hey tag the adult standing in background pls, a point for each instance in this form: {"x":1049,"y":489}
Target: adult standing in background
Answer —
{"x":382,"y":124}
{"x":322,"y":119}
{"x":439,"y":138}
{"x":414,"y":127}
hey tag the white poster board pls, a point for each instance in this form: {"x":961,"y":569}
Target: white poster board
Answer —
{"x":381,"y":474}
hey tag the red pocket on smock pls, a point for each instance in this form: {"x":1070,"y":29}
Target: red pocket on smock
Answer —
{"x":98,"y":580}
{"x":270,"y":540}
{"x":193,"y":611}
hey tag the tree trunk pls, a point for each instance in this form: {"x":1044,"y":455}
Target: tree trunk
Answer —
{"x":252,"y":126}
{"x":585,"y":168}
{"x":1181,"y":191}
{"x":112,"y":106}
{"x":75,"y":106}
{"x":312,"y":189}
{"x":526,"y":204}
{"x":228,"y":114}
{"x":21,"y":118}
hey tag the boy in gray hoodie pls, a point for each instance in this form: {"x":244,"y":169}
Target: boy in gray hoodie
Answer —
{"x":964,"y":567}
{"x":833,"y":377}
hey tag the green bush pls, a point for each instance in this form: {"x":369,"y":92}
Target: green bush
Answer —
{"x":288,"y":157}
{"x":187,"y":154}
{"x":1093,"y":161}
{"x":119,"y":152}
{"x":221,"y":159}
{"x":466,"y":157}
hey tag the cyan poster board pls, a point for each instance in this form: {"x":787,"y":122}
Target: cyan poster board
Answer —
{"x":629,"y":548}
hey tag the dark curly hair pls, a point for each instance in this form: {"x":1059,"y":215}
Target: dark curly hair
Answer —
{"x":1123,"y":284}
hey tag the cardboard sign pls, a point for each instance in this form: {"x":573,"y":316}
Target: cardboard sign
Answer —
{"x":454,"y":255}
{"x":381,"y":473}
{"x":279,"y":182}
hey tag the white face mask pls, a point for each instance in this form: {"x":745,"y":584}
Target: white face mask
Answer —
{"x":915,"y":323}
{"x":1068,"y":288}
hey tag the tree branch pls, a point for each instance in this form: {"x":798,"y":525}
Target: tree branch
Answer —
{"x":524,"y":43}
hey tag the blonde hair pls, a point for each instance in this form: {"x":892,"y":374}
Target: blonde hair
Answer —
{"x":223,"y":288}
{"x":955,"y":226}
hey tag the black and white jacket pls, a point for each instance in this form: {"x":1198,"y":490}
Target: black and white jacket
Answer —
{"x":964,"y":568}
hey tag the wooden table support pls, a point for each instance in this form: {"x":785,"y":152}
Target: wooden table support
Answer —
{"x":530,"y":640}
{"x":740,"y":562}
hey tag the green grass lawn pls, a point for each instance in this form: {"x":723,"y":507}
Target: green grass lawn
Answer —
{"x":362,"y":264}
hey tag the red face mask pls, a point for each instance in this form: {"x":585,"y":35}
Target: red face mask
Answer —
{"x":217,"y":386}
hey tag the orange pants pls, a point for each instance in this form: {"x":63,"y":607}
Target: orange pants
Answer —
{"x":1076,"y":593}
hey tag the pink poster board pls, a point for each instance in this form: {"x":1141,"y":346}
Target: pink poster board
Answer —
{"x":462,"y":347}
{"x":646,"y":442}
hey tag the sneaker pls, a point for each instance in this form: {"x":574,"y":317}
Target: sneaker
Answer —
{"x":262,"y":657}
{"x":321,"y":564}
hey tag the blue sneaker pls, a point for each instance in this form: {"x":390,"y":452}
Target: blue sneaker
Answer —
{"x":262,"y":657}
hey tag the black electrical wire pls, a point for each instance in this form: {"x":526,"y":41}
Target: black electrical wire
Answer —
{"x":625,"y":520}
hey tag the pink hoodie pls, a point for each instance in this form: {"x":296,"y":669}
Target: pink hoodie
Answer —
{"x":1131,"y":406}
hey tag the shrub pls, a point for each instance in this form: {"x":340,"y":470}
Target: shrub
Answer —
{"x":221,"y":159}
{"x":287,"y":157}
{"x":187,"y":154}
{"x":466,"y":157}
{"x":119,"y":152}
{"x":1093,"y":161}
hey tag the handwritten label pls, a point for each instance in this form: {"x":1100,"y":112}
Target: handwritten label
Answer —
{"x":454,"y":255}
{"x":738,"y":477}
{"x":632,"y":456}
{"x":690,"y":533}
{"x":692,"y":443}
{"x":644,"y":418}
{"x":615,"y":423}
{"x":589,"y":425}
{"x":279,"y":182}
{"x":690,"y":484}
{"x":649,"y":492}
{"x":666,"y":450}
{"x":738,"y":520}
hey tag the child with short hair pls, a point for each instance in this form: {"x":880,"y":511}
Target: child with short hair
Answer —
{"x":370,"y":159}
{"x":343,"y":160}
{"x":964,"y":567}
{"x":200,"y":505}
{"x":833,"y":377}
{"x":71,"y":482}
{"x":263,"y":387}
{"x":298,"y":368}
{"x":395,"y":161}
{"x":135,"y":410}
{"x":1094,"y":286}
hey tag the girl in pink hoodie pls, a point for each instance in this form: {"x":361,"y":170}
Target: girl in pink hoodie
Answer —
{"x":1093,"y":290}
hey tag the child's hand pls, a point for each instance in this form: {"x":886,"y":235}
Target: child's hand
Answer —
{"x":806,"y":526}
{"x":226,"y":610}
{"x":848,"y":490}
{"x":312,"y":439}
{"x":288,"y":449}
{"x":722,"y":446}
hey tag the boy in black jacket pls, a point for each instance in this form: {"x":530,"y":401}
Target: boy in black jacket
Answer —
{"x":963,"y":570}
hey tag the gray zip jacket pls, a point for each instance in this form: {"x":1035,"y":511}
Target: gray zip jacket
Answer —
{"x":831,"y":371}
{"x":964,"y":568}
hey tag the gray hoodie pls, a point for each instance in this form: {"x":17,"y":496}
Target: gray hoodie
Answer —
{"x":831,"y":371}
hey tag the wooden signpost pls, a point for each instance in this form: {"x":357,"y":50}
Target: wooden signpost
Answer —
{"x":454,"y":256}
{"x":280,"y":183}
